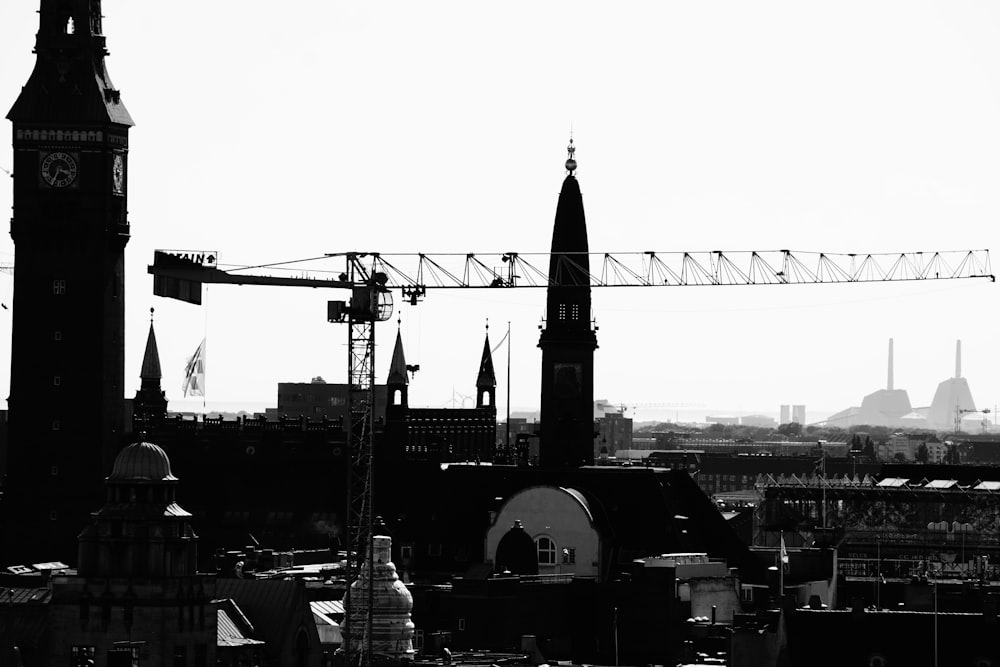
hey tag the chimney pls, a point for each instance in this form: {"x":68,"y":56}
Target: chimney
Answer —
{"x":889,"y":385}
{"x":958,"y":359}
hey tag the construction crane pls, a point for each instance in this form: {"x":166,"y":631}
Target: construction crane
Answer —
{"x":370,"y":276}
{"x":960,"y":415}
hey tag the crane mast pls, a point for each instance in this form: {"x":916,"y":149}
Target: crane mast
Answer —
{"x":371,"y":275}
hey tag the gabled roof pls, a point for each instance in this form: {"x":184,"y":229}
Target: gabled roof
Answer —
{"x":327,"y":614}
{"x":941,"y":484}
{"x":274,"y":606}
{"x":233,"y":628}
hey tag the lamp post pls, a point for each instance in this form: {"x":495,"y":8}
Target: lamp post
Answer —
{"x":878,"y":572}
{"x":615,"y":612}
{"x":934,"y":584}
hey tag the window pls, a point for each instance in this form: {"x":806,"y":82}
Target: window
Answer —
{"x":57,"y":335}
{"x":546,"y":550}
{"x":461,"y":624}
{"x":180,"y":656}
{"x":55,"y":471}
{"x":575,"y":312}
{"x":562,"y":311}
{"x":55,"y":425}
{"x":405,"y":553}
{"x":569,"y":555}
{"x":79,"y":655}
{"x":418,"y":640}
{"x":59,"y":287}
{"x":434,"y":549}
{"x":123,"y":657}
{"x":56,"y":381}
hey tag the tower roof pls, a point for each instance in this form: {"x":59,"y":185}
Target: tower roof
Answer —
{"x":151,"y":358}
{"x":516,"y":552}
{"x":142,"y":461}
{"x":487,"y":378}
{"x":569,"y":263}
{"x":397,"y":368}
{"x":70,"y":83}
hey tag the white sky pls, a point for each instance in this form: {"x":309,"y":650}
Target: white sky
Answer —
{"x":284,"y":131}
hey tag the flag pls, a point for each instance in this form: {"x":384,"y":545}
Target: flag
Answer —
{"x":497,"y":346}
{"x":194,"y":373}
{"x":784,"y":555}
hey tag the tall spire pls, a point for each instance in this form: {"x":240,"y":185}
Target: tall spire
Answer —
{"x":568,"y":339}
{"x":397,"y":367}
{"x":486,"y":381}
{"x":487,"y":377}
{"x":150,"y":371}
{"x":149,"y":407}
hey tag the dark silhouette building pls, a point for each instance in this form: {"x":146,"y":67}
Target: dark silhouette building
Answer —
{"x":69,"y":228}
{"x":149,"y":407}
{"x":438,"y":434}
{"x":569,"y":338}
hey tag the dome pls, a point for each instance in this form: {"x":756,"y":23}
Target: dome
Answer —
{"x":516,"y":552}
{"x":142,"y":461}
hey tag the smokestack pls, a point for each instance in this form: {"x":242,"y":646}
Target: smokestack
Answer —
{"x":958,"y":358}
{"x":889,"y":387}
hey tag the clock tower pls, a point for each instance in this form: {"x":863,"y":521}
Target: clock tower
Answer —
{"x":69,"y":227}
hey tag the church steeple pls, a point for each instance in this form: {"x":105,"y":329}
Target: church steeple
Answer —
{"x":568,"y":340}
{"x":150,"y":373}
{"x":486,"y":381}
{"x":150,"y":403}
{"x":397,"y":382}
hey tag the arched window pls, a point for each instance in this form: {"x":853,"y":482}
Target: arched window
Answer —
{"x":546,"y":548}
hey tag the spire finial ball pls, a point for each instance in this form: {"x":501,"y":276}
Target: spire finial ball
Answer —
{"x":571,"y":162}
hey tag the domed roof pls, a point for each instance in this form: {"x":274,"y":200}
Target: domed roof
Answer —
{"x":516,"y":552}
{"x":142,"y":461}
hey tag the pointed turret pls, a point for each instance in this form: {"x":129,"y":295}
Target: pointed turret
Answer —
{"x":397,"y":381}
{"x":150,"y":404}
{"x":150,"y":372}
{"x":568,"y":340}
{"x":486,"y":381}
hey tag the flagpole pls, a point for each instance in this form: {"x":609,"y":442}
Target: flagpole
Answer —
{"x":781,"y":566}
{"x":507,"y":435}
{"x":204,"y":355}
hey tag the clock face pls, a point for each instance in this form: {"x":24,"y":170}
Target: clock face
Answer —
{"x":118,"y":174}
{"x":59,"y":169}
